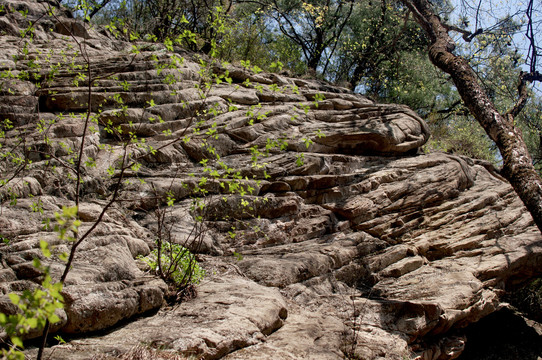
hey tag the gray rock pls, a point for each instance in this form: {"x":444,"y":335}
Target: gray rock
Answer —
{"x":339,"y":239}
{"x":229,"y":313}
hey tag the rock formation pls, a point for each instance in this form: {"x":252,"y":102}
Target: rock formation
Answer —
{"x":348,"y":241}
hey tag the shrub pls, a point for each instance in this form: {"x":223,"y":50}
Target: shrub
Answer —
{"x":177,"y":265}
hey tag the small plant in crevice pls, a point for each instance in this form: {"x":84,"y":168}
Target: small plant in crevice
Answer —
{"x":352,"y":326}
{"x":350,"y":334}
{"x":176,"y":265}
{"x":173,"y":259}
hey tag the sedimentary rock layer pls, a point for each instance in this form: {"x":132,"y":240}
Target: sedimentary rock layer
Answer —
{"x":341,"y":237}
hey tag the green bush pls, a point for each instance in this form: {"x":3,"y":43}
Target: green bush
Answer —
{"x":461,"y":136}
{"x":177,"y":265}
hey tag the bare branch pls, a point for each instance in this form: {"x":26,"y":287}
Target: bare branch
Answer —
{"x":523,"y":94}
{"x":532,"y":52}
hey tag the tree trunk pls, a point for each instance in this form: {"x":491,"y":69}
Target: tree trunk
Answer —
{"x":518,"y":168}
{"x":316,"y":55}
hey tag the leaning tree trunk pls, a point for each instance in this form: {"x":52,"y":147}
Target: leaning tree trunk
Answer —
{"x":518,"y":168}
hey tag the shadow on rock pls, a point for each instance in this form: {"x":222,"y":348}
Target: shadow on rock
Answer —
{"x":503,"y":335}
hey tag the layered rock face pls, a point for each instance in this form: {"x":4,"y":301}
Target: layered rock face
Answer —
{"x":340,"y":238}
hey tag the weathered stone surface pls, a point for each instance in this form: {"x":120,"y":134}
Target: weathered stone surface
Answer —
{"x":366,"y":247}
{"x":229,"y":313}
{"x":318,"y":336}
{"x":91,"y":308}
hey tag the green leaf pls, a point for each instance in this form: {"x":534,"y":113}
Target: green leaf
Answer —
{"x":32,"y":322}
{"x":60,"y":339}
{"x":44,"y":245}
{"x":15,"y":299}
{"x":17,"y":341}
{"x":53,"y":319}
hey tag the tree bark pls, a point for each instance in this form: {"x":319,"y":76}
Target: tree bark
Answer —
{"x":517,"y":168}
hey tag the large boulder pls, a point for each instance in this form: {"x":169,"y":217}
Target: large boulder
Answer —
{"x":340,"y":238}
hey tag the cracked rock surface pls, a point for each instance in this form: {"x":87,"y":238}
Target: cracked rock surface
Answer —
{"x":366,"y":246}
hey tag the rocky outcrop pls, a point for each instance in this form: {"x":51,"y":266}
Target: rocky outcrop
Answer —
{"x":341,"y":238}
